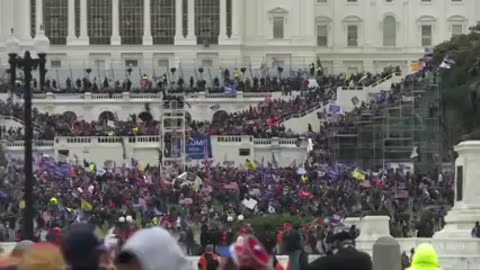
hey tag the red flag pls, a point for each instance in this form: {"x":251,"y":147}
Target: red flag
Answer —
{"x":305,"y":193}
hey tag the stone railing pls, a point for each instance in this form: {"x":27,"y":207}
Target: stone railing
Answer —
{"x":302,"y":113}
{"x":239,"y":95}
{"x":17,"y":120}
{"x":276,"y":140}
{"x":85,"y":140}
{"x":374,"y":84}
{"x":384,"y":79}
{"x":107,"y":139}
{"x":154,"y":96}
{"x":35,"y":143}
{"x":96,"y":96}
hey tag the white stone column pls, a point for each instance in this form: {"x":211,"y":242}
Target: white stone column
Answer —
{"x":115,"y":40}
{"x":2,"y":26}
{"x":147,"y":25}
{"x":223,"y":20}
{"x":466,"y":209}
{"x":22,"y":20}
{"x":38,"y":15}
{"x":71,"y":22}
{"x":178,"y":19}
{"x":191,"y":20}
{"x":83,"y":38}
{"x":237,"y":13}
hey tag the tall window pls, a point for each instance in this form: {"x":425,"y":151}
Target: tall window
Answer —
{"x":278,"y":27}
{"x":185,"y":17}
{"x":207,"y":21}
{"x":131,"y":22}
{"x":55,"y":19}
{"x":163,"y":21}
{"x":33,"y":17}
{"x":352,"y":35}
{"x":389,"y":31}
{"x":457,"y":30}
{"x":426,"y":35}
{"x":229,"y":18}
{"x":99,"y":21}
{"x":322,"y":35}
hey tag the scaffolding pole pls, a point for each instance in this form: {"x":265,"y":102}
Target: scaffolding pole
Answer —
{"x":173,"y":132}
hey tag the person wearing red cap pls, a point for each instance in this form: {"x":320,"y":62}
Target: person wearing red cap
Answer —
{"x":243,"y":230}
{"x":247,"y":253}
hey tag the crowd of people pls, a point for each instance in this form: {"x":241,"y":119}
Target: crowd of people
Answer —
{"x":48,"y":125}
{"x":104,"y":193}
{"x":268,"y":80}
{"x":263,"y":120}
{"x":132,"y":200}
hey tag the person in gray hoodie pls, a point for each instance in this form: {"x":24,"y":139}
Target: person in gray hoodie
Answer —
{"x":152,"y":249}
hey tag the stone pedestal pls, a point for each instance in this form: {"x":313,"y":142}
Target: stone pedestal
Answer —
{"x":386,"y":254}
{"x":374,"y":227}
{"x":466,"y":210}
{"x":371,"y":229}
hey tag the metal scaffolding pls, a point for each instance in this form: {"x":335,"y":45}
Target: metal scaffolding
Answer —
{"x":371,"y":141}
{"x":173,"y":132}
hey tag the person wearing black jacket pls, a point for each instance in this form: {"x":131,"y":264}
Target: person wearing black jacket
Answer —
{"x":344,"y":254}
{"x":297,"y":257}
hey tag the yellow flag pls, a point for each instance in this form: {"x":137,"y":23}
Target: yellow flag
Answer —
{"x":359,"y":175}
{"x":22,"y":204}
{"x":86,"y":205}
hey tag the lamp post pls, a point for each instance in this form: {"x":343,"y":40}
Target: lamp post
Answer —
{"x":28,"y":64}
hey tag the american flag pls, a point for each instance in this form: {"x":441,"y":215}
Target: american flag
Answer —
{"x":46,"y":217}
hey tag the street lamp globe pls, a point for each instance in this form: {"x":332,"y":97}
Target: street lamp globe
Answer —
{"x":41,"y":43}
{"x":12,"y":44}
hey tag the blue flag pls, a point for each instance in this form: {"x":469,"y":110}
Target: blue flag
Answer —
{"x":230,"y":90}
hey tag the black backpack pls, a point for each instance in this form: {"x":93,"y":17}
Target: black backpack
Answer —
{"x":212,"y":264}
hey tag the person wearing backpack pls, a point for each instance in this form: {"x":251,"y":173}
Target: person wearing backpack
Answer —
{"x":476,"y":230}
{"x":208,"y":260}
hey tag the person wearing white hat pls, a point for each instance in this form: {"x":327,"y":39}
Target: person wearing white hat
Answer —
{"x":229,"y":219}
{"x":240,"y":218}
{"x":129,"y":219}
{"x":121,"y":219}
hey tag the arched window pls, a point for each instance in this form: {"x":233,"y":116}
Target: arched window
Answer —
{"x":55,"y":19}
{"x":219,"y":117}
{"x":207,"y":21}
{"x":70,"y":116}
{"x":99,"y":21}
{"x":145,"y":116}
{"x":131,"y":22}
{"x":163,"y":21}
{"x":389,"y":31}
{"x":106,"y":116}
